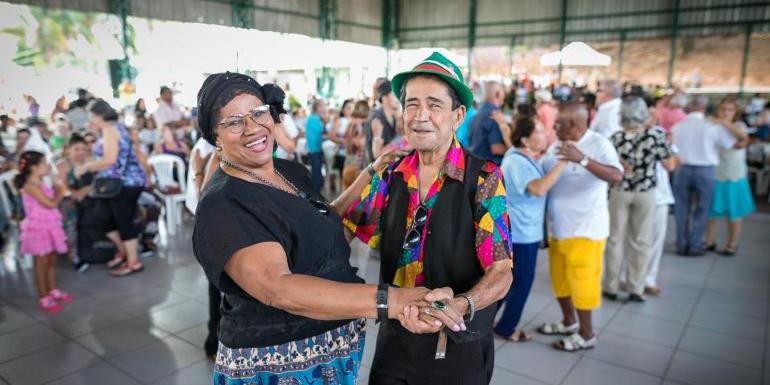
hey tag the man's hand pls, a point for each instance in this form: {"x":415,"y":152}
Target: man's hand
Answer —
{"x":569,"y":151}
{"x":425,"y":318}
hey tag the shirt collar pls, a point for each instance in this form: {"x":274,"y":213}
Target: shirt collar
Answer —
{"x":697,"y":114}
{"x":453,"y":166}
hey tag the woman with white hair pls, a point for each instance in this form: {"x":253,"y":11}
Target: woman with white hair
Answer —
{"x":632,"y":202}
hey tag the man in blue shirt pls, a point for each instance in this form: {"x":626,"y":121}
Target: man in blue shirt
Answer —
{"x":485,"y":140}
{"x":314,"y":129}
{"x":462,"y":131}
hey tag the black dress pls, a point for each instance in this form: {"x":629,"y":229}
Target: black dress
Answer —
{"x":234,"y":214}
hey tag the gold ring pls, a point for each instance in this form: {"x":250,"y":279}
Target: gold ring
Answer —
{"x":428,"y":311}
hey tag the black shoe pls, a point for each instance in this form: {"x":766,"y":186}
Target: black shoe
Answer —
{"x":610,"y":296}
{"x":727,"y":252}
{"x":635,"y":298}
{"x":696,"y":253}
{"x":682,"y":252}
{"x":711,"y":247}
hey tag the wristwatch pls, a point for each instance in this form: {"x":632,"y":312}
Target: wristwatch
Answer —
{"x":382,"y":302}
{"x":584,"y":161}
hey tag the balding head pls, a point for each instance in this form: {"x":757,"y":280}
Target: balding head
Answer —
{"x":697,"y":103}
{"x":494,"y":93}
{"x":608,"y":89}
{"x":572,"y":121}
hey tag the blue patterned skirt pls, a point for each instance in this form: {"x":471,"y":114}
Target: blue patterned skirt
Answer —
{"x":330,"y":358}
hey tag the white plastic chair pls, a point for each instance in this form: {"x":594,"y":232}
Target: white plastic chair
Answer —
{"x":12,"y":244}
{"x":759,"y":154}
{"x":165,"y":167}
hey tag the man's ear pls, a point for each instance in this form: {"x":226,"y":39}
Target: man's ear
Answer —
{"x":459,"y":117}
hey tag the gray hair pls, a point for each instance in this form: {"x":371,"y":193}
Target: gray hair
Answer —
{"x":611,"y":87}
{"x":697,"y":103}
{"x":633,"y":112}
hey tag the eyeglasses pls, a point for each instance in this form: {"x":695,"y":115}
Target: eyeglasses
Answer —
{"x":415,"y":230}
{"x":236,"y":124}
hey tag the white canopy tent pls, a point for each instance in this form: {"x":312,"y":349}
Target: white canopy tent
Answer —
{"x":575,"y":54}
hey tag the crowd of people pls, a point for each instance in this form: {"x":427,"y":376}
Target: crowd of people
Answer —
{"x":455,"y":198}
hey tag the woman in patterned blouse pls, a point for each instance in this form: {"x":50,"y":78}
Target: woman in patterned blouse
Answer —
{"x":632,"y":203}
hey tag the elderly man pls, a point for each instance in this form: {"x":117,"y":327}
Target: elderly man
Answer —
{"x":487,"y":139}
{"x":607,"y":119}
{"x":580,"y":221}
{"x":168,"y":112}
{"x":699,"y":142}
{"x":439,"y":217}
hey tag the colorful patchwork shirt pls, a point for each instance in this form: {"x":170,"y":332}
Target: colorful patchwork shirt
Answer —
{"x":363,"y":217}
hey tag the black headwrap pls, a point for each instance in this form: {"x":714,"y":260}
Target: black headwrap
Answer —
{"x":218,"y":89}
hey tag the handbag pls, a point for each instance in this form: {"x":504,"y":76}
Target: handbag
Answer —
{"x":108,"y":187}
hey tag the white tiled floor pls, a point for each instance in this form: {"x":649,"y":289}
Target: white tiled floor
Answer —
{"x":710,"y":326}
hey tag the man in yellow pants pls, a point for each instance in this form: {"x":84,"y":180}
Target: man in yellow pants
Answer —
{"x":579,"y":218}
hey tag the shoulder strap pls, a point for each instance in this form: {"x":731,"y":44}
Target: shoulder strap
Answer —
{"x":473,"y":166}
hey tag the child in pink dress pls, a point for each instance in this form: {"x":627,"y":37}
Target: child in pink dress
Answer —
{"x":42,"y":234}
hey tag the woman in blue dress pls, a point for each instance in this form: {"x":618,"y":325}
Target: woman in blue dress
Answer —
{"x":526,"y":186}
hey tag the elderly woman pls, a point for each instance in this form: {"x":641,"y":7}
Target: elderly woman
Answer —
{"x":632,"y":202}
{"x":526,"y":186}
{"x":115,"y":159}
{"x":293,"y":308}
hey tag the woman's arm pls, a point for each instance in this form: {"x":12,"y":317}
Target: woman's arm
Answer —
{"x":110,"y":156}
{"x":210,"y":167}
{"x":283,"y":140}
{"x":742,"y":138}
{"x":334,"y":134}
{"x":262,"y":271}
{"x":540,"y":187}
{"x":346,"y":198}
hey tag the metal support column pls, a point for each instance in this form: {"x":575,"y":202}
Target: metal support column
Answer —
{"x":121,"y":9}
{"x":562,"y":31}
{"x":242,"y":14}
{"x":746,"y":49}
{"x":511,"y":53}
{"x":620,"y":54}
{"x":674,"y":34}
{"x":389,"y":29}
{"x":471,"y":35}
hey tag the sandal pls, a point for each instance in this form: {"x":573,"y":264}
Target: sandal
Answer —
{"x":117,"y":261}
{"x":558,"y":328}
{"x":710,"y":247}
{"x":574,"y":343}
{"x":127,"y":269}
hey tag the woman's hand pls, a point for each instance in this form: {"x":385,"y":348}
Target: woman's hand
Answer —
{"x":569,"y":151}
{"x":387,"y":158}
{"x":424,"y":318}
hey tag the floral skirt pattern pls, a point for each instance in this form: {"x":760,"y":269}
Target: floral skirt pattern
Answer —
{"x":330,"y":358}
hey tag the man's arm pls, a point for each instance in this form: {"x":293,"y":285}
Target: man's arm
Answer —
{"x":610,"y":174}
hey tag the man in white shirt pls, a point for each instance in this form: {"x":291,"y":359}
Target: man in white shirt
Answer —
{"x":699,"y":142}
{"x":607,"y":119}
{"x":579,"y":217}
{"x":168,"y":112}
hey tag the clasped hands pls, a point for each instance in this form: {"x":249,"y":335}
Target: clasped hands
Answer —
{"x":419,"y":315}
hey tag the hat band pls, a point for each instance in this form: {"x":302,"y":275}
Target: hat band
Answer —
{"x":431,"y":65}
{"x":443,"y":67}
